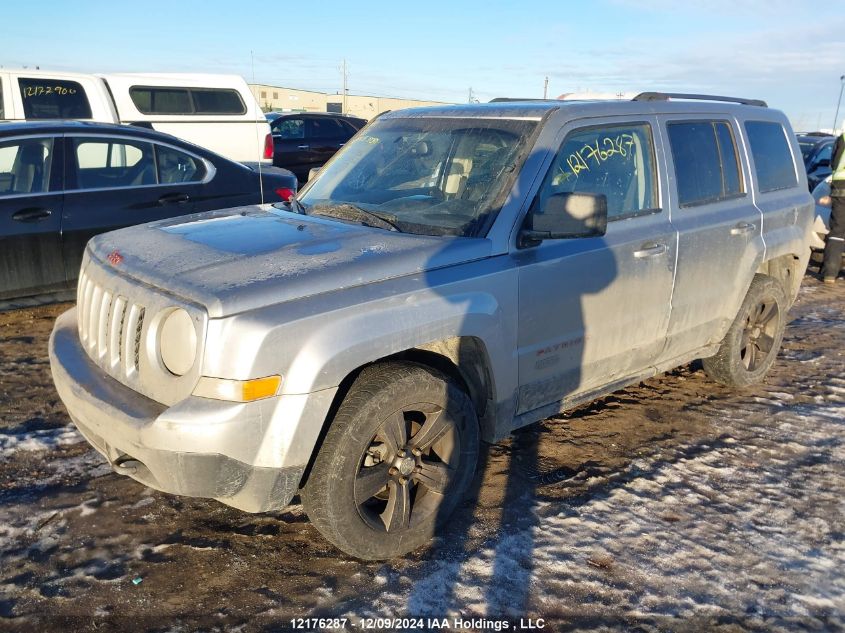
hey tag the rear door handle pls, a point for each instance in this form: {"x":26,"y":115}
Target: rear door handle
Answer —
{"x":173,"y":198}
{"x":303,"y":147}
{"x":32,"y":215}
{"x":743,"y":228}
{"x":650,"y":250}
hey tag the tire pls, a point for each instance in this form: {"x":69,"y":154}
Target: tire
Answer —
{"x":396,"y":461}
{"x":754,"y":338}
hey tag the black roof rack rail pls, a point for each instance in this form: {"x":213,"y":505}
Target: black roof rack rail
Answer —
{"x":665,"y":96}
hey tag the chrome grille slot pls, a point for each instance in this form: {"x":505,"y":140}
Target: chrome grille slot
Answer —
{"x":94,"y":317}
{"x":85,"y":310}
{"x":103,"y":324}
{"x":131,"y":339}
{"x":118,"y":316}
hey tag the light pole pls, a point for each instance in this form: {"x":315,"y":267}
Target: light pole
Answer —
{"x":838,"y":103}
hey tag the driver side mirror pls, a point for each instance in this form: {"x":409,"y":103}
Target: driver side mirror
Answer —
{"x":564,"y":216}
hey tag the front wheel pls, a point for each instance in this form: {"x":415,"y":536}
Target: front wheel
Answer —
{"x":754,"y":338}
{"x":396,"y":461}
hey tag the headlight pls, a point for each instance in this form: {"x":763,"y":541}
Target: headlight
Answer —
{"x":178,"y":342}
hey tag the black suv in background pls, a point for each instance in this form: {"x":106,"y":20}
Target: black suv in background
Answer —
{"x":816,"y":150}
{"x":303,"y":141}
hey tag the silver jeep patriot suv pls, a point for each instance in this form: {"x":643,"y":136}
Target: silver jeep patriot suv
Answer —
{"x":452,"y":274}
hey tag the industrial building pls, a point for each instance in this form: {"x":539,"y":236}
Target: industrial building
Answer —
{"x":280,"y":99}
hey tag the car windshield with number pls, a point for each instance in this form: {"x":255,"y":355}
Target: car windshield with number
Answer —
{"x":433,"y":176}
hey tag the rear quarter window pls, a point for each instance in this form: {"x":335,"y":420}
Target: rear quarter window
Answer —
{"x":773,"y":163}
{"x":46,"y":98}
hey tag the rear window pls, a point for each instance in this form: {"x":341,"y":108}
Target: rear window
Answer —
{"x":53,"y":99}
{"x":772,"y":156}
{"x":706,"y":164}
{"x":161,"y":100}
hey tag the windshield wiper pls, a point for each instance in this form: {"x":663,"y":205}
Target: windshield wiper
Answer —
{"x":347,"y":211}
{"x":297,"y":206}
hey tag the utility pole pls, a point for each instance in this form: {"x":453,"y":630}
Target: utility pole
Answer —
{"x":546,"y":88}
{"x":838,"y":103}
{"x":345,"y":89}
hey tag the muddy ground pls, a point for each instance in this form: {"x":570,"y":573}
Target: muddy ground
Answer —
{"x":673,"y":505}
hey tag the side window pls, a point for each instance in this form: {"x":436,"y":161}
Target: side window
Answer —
{"x":175,"y":166}
{"x":2,"y":108}
{"x":706,"y":164}
{"x":164,"y":100}
{"x":324,"y":127}
{"x":25,"y":166}
{"x":53,"y":99}
{"x":290,"y":128}
{"x":104,"y":163}
{"x":349,"y":129}
{"x":617,"y":161}
{"x":825,"y":153}
{"x":772,"y":156}
{"x":161,"y":100}
{"x":217,"y":101}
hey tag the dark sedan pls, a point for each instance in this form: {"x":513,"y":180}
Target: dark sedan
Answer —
{"x":304,"y":141}
{"x":62,"y":182}
{"x":816,"y":149}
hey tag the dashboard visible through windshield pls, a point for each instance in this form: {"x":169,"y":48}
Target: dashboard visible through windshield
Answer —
{"x":433,"y":176}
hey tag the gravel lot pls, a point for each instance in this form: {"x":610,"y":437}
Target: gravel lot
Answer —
{"x":673,"y":505}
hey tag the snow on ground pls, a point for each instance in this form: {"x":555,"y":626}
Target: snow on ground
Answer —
{"x":38,"y":440}
{"x":746,"y":528}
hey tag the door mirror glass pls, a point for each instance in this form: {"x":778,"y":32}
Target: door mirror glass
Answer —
{"x":567,"y":215}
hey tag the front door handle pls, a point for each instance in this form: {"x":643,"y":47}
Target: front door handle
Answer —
{"x":174,"y":198}
{"x":32,"y":215}
{"x":650,"y":250}
{"x":303,"y":147}
{"x":743,"y":228}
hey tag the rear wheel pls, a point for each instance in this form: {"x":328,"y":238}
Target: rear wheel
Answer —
{"x":395,"y":463}
{"x":754,"y":339}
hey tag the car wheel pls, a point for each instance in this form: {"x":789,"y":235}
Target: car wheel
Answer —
{"x":754,"y":338}
{"x":396,"y":461}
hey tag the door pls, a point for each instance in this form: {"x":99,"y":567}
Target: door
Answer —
{"x":30,"y":216}
{"x":595,"y":310}
{"x":115,"y":182}
{"x":290,"y":148}
{"x":718,"y":228}
{"x":325,"y":135}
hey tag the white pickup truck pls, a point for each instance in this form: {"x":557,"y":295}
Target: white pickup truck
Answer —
{"x":217,"y":112}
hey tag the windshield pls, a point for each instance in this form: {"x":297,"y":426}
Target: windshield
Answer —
{"x":432,"y":176}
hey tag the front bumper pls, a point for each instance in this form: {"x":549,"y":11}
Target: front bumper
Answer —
{"x":247,"y":455}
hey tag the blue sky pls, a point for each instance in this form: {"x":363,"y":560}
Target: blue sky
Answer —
{"x":780,"y":51}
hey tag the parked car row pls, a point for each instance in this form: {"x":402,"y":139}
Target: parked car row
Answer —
{"x":62,"y":182}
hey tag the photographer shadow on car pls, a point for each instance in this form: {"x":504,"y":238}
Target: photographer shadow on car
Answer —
{"x":561,"y":231}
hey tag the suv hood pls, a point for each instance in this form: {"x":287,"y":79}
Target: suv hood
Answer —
{"x":250,"y":257}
